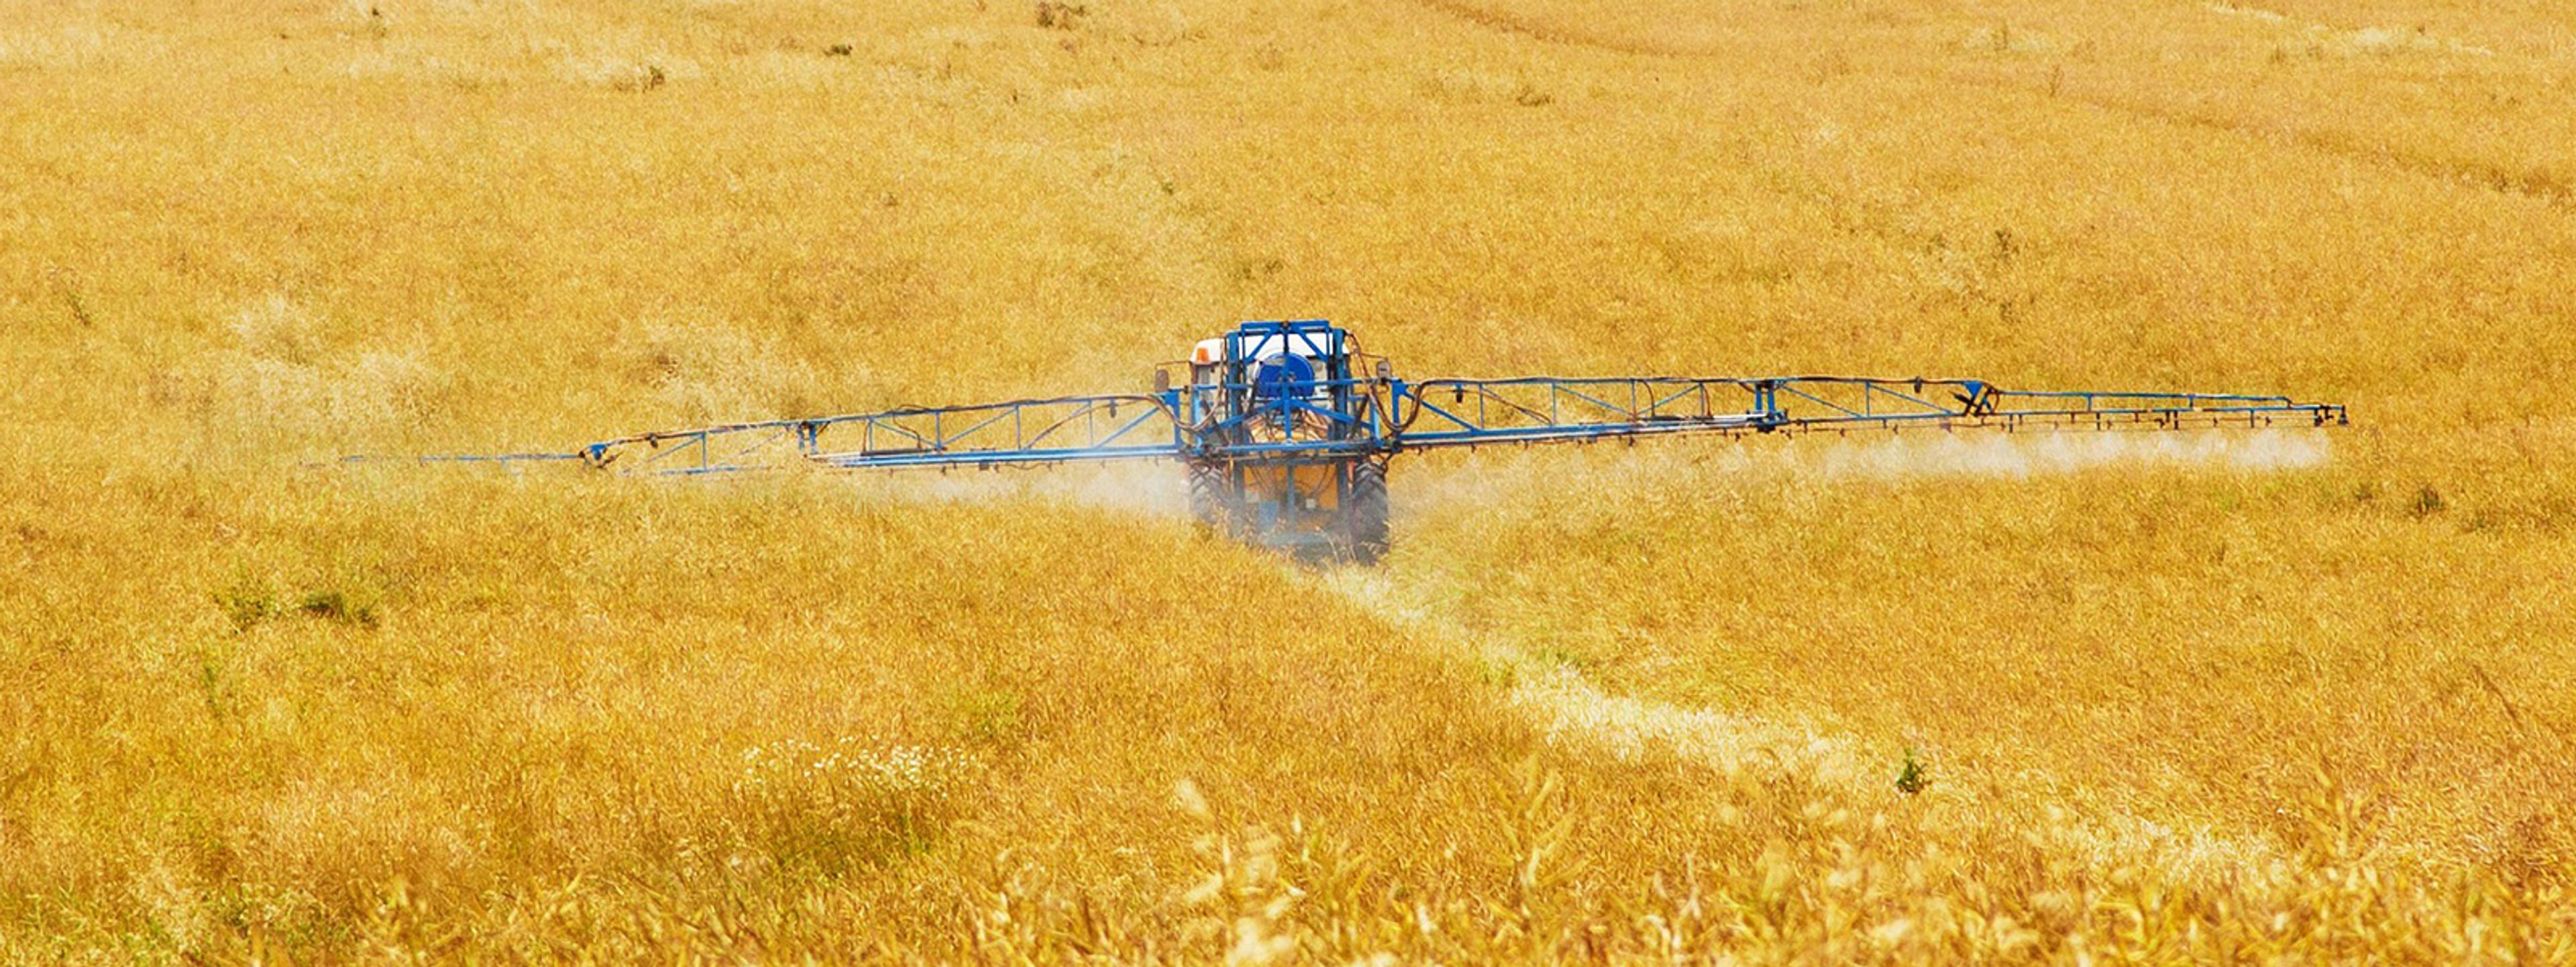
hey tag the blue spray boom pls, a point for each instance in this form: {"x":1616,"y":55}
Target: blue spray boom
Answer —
{"x":1286,"y":427}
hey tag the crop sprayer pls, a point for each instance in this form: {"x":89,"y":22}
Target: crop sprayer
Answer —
{"x":1286,"y":428}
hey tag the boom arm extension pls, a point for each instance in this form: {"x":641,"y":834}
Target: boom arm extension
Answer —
{"x":1469,"y":412}
{"x":1056,"y":430}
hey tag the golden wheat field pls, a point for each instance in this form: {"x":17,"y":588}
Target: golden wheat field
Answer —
{"x":2290,"y":696}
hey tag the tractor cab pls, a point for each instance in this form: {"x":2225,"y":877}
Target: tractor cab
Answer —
{"x":1274,"y":359}
{"x":1207,"y":362}
{"x":1292,"y":380}
{"x":1287,"y":402}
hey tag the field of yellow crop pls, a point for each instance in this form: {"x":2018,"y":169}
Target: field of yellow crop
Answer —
{"x":2279,"y":696}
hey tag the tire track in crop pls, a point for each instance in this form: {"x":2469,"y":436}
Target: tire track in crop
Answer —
{"x":2544,"y":186}
{"x":1544,"y":33}
{"x":2549,"y":187}
{"x":2554,"y":188}
{"x":1571,"y":711}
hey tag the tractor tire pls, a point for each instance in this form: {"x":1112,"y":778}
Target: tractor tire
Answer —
{"x":1212,"y":498}
{"x":1364,"y":528}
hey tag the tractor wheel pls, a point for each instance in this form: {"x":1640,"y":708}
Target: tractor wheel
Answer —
{"x":1364,"y":512}
{"x":1212,"y":497}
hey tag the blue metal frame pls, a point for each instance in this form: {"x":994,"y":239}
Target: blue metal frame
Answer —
{"x":1345,"y":414}
{"x":1548,"y":409}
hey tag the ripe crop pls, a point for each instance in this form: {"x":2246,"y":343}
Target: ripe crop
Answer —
{"x":2291,"y":695}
